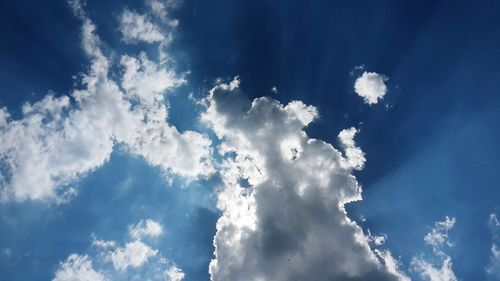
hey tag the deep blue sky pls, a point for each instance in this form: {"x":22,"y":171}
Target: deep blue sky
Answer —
{"x":433,"y":152}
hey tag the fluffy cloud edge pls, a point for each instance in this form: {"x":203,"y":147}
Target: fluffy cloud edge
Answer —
{"x":371,"y":87}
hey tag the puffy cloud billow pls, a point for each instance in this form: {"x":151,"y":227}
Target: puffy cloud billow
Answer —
{"x":283,"y":196}
{"x":59,"y":139}
{"x":78,"y":268}
{"x":371,"y":87}
{"x":135,"y":260}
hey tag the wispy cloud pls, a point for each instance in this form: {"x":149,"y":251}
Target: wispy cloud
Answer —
{"x":439,"y":267}
{"x":493,"y":268}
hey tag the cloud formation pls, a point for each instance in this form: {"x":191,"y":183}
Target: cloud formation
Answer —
{"x":78,"y":268}
{"x":133,"y":254}
{"x":371,"y":87}
{"x":134,"y":258}
{"x":145,"y":228}
{"x":439,"y":267}
{"x":174,"y":274}
{"x":59,"y":139}
{"x":135,"y":27}
{"x":287,"y":221}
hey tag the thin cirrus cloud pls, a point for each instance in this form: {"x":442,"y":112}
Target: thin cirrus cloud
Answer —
{"x":290,"y":222}
{"x":60,"y":139}
{"x":371,"y":87}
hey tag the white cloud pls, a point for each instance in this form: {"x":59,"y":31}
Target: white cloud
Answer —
{"x":429,"y":271}
{"x":174,"y":274}
{"x":145,"y":81}
{"x":159,"y":8}
{"x":113,"y":261}
{"x":439,"y":234}
{"x":438,"y":268}
{"x":354,"y":155}
{"x":393,"y":265}
{"x":135,"y":27}
{"x":78,"y":8}
{"x":371,"y":87}
{"x":133,"y":254}
{"x":77,"y":268}
{"x":493,"y":268}
{"x":290,"y":222}
{"x":60,"y":139}
{"x":145,"y":228}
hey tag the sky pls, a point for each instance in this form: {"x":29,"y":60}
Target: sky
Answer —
{"x":249,"y":140}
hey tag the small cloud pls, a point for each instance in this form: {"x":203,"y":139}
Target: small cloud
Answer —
{"x":439,"y":233}
{"x":133,"y":254}
{"x":274,"y":89}
{"x":145,"y":228}
{"x":354,"y":156}
{"x":371,"y":87}
{"x":111,"y":259}
{"x":438,"y":268}
{"x":77,"y":268}
{"x":493,"y":268}
{"x":136,"y":27}
{"x":174,"y":274}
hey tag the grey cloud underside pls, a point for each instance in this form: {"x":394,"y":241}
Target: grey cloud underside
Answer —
{"x":289,"y":224}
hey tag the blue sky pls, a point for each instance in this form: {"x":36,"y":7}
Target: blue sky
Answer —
{"x":122,"y":115}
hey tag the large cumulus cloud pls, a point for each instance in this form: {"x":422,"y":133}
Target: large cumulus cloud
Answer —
{"x":283,"y":196}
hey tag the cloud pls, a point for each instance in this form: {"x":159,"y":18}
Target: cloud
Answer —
{"x":145,"y":228}
{"x":392,"y":265}
{"x":58,"y":140}
{"x":160,"y":9}
{"x":439,"y":234}
{"x":493,"y":268}
{"x":428,"y":271}
{"x":289,"y":221}
{"x":77,"y":268}
{"x":133,"y":254}
{"x":439,"y":267}
{"x":174,"y":274}
{"x":135,"y":27}
{"x":354,"y":155}
{"x":371,"y":87}
{"x":111,"y":261}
